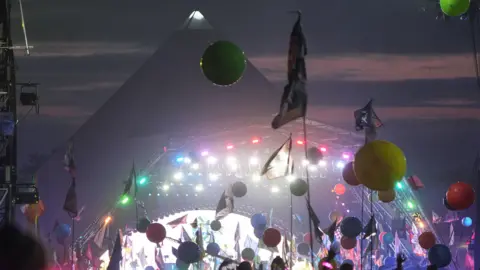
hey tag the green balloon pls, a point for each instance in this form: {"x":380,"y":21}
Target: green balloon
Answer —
{"x":223,"y":63}
{"x":454,"y":8}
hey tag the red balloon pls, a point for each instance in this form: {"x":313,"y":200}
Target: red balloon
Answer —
{"x":380,"y":236}
{"x":306,"y":238}
{"x":348,"y":243}
{"x":339,"y":189}
{"x":460,"y":196}
{"x":349,"y":175}
{"x":427,"y":240}
{"x":156,"y":233}
{"x":271,"y":237}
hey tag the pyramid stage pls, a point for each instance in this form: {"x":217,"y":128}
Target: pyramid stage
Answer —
{"x":168,"y":98}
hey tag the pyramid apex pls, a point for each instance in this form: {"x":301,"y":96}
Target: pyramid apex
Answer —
{"x":196,"y":21}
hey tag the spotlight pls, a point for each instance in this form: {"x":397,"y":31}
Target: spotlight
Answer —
{"x":213,"y":177}
{"x":256,"y":177}
{"x":255,"y":140}
{"x":322,"y":163}
{"x":107,"y":219}
{"x":199,"y":187}
{"x":312,"y":168}
{"x":231,"y":160}
{"x":253,"y":161}
{"x":195,"y":166}
{"x":230,"y":147}
{"x":187,"y":160}
{"x":275,"y":189}
{"x":204,"y":153}
{"x":346,"y":156}
{"x":340,"y":165}
{"x":290,"y":178}
{"x":211,"y":160}
{"x":166,"y":187}
{"x":178,"y":176}
{"x":300,"y":142}
{"x":323,"y":149}
{"x":305,"y":162}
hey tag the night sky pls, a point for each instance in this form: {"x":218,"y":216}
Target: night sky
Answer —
{"x":419,"y":71}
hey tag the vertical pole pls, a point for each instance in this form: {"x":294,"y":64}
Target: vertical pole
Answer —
{"x":476,"y":245}
{"x":290,"y":265}
{"x":308,"y":190}
{"x":373,"y":224}
{"x":73,"y":244}
{"x":361,"y":238}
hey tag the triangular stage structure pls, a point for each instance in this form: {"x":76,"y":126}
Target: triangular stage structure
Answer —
{"x":166,"y":98}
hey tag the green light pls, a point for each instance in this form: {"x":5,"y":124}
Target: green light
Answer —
{"x":125,"y":199}
{"x":142,"y":180}
{"x":410,"y":205}
{"x":399,"y":185}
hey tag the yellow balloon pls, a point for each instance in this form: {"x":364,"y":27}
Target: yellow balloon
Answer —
{"x":387,"y":196}
{"x":379,"y":165}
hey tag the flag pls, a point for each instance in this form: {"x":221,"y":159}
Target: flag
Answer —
{"x":436,"y":218}
{"x":69,"y":160}
{"x":280,"y":163}
{"x":194,"y":224}
{"x":116,"y":257}
{"x":250,"y":243}
{"x":366,"y":119}
{"x":184,"y":236}
{"x":452,"y":235}
{"x":178,"y":221}
{"x":225,"y":204}
{"x":451,"y":217}
{"x":159,"y":258}
{"x":132,"y":180}
{"x":70,"y":204}
{"x":100,"y":236}
{"x":236,"y":238}
{"x":315,"y":222}
{"x":293,"y":104}
{"x":330,"y":231}
{"x":199,"y":240}
{"x":397,"y":243}
{"x":415,"y":183}
{"x":286,"y":249}
{"x":371,"y":228}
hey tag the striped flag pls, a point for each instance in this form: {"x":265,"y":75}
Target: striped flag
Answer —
{"x":280,"y":163}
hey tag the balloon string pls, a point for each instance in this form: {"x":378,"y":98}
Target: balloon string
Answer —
{"x":361,"y":240}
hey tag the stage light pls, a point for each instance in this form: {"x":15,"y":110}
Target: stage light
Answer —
{"x":346,"y":156}
{"x":256,"y":177}
{"x":142,"y":180}
{"x":322,"y":163}
{"x":253,"y":161}
{"x":204,"y":153}
{"x":231,"y":160}
{"x":149,"y":194}
{"x":165,"y":187}
{"x":187,"y":160}
{"x":199,"y":187}
{"x":275,"y":189}
{"x":179,"y":159}
{"x":421,"y":224}
{"x":290,"y":177}
{"x":213,"y":177}
{"x":178,"y":176}
{"x":410,"y":205}
{"x":305,"y":162}
{"x":340,"y":164}
{"x":323,"y":149}
{"x":255,"y":140}
{"x":125,"y":199}
{"x":399,"y":185}
{"x":312,"y":168}
{"x":211,"y":160}
{"x":107,"y":219}
{"x":195,"y":166}
{"x":300,"y":142}
{"x":229,"y":146}
{"x":158,"y":194}
{"x":233,"y":166}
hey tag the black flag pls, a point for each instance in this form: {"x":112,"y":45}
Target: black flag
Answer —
{"x":293,"y":104}
{"x":366,"y":119}
{"x":70,"y":204}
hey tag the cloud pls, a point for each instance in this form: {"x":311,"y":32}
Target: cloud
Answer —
{"x":88,"y":86}
{"x":372,"y":67}
{"x":342,"y":115}
{"x":82,"y":49}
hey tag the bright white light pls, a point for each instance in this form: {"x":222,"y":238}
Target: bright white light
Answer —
{"x":178,"y":176}
{"x":305,"y":162}
{"x":195,"y":166}
{"x":211,"y":160}
{"x":253,"y":161}
{"x":197,"y":15}
{"x":187,"y":160}
{"x":199,"y":187}
{"x":290,"y":178}
{"x":204,"y":153}
{"x":312,"y":168}
{"x":231,"y":160}
{"x":322,"y":163}
{"x":166,"y":187}
{"x":256,"y":177}
{"x":213,"y":177}
{"x":233,"y":167}
{"x":346,"y":156}
{"x":340,"y":165}
{"x":275,"y":189}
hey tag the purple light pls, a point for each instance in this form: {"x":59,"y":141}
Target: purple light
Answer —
{"x":346,"y":156}
{"x":204,"y":153}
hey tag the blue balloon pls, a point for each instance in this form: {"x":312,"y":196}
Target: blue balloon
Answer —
{"x":258,"y":233}
{"x":347,"y":261}
{"x":303,"y":249}
{"x":213,"y":249}
{"x":390,"y":261}
{"x":467,"y":221}
{"x":440,"y":255}
{"x":259,"y":221}
{"x":62,"y":231}
{"x":388,"y":238}
{"x":189,"y":252}
{"x":351,"y":227}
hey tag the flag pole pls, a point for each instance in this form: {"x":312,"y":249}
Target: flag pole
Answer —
{"x":305,"y":147}
{"x":73,"y":244}
{"x":373,"y":224}
{"x":290,"y":264}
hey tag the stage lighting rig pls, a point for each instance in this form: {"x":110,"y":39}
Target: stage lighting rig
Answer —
{"x":29,"y":95}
